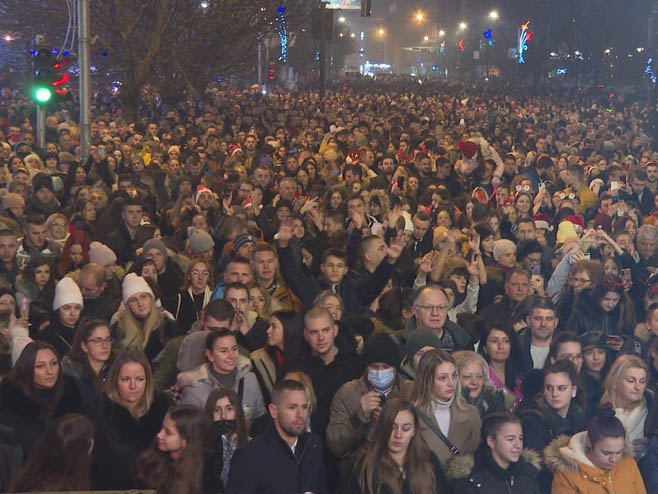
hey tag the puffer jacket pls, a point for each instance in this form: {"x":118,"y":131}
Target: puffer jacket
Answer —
{"x":575,"y":473}
{"x":479,"y":473}
{"x":197,"y":384}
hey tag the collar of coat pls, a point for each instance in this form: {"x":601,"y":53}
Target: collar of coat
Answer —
{"x":568,"y":453}
{"x":461,"y":466}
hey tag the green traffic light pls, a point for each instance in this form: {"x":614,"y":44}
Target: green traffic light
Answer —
{"x":43,"y":95}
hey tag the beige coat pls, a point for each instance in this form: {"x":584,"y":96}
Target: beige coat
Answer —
{"x":464,"y":432}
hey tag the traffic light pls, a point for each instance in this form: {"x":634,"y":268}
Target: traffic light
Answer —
{"x":43,"y":76}
{"x":61,"y":76}
{"x":272,"y":71}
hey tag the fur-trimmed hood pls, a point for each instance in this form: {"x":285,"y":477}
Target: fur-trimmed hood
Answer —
{"x":201,"y":374}
{"x":568,"y":453}
{"x":461,"y":466}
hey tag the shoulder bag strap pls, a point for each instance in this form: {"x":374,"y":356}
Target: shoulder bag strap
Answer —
{"x":453,"y":449}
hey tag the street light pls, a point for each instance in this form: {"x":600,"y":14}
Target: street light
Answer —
{"x":420,"y":16}
{"x":426,"y":38}
{"x":493,"y":14}
{"x":462,"y":25}
{"x":341,"y":19}
{"x":381,"y":32}
{"x":442,"y":33}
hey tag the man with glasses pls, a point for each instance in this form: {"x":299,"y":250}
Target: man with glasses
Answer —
{"x":430,"y":309}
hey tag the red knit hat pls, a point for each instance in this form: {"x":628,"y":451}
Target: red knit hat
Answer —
{"x":469,"y":148}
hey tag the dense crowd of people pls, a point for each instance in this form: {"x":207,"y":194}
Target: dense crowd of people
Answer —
{"x":402,"y":288}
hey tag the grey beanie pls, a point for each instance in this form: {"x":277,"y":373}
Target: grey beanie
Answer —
{"x":155,"y":244}
{"x":199,"y":240}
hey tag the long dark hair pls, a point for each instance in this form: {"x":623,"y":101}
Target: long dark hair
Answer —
{"x":156,"y":469}
{"x":234,"y":399}
{"x":82,"y":333}
{"x":292,"y":333}
{"x":512,"y":365}
{"x":23,"y":371}
{"x":60,"y":461}
{"x":375,"y":465}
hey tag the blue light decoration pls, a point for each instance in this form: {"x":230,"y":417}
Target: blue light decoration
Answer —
{"x":487,"y":34}
{"x":442,"y":47}
{"x":561,"y":71}
{"x":648,"y":71}
{"x":282,"y":30}
{"x":524,"y":37}
{"x":434,"y":68}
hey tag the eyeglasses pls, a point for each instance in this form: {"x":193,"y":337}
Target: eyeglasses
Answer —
{"x":432,"y":308}
{"x":100,"y":341}
{"x":196,"y":272}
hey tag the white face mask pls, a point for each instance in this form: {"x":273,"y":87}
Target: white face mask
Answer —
{"x":381,"y":379}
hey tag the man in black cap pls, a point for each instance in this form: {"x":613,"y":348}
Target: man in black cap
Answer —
{"x":43,"y":200}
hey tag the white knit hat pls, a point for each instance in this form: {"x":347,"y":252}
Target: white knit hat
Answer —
{"x":19,"y":340}
{"x":67,"y":291}
{"x":133,"y":284}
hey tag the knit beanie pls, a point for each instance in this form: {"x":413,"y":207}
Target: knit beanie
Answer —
{"x":501,"y":246}
{"x":19,"y":340}
{"x":381,"y":348}
{"x":132,"y":285}
{"x":101,"y":254}
{"x":12,"y":200}
{"x":154,"y":243}
{"x":199,"y":240}
{"x":420,"y":338}
{"x":67,"y":291}
{"x":469,"y":148}
{"x":242,"y":239}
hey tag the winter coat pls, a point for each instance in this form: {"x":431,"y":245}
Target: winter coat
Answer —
{"x":197,"y":384}
{"x":541,"y":424}
{"x":575,"y":473}
{"x":346,"y":431}
{"x":587,"y":315}
{"x":28,"y":419}
{"x":267,"y":369}
{"x":463,"y":432}
{"x":102,"y":307}
{"x":120,"y":438}
{"x":480,"y":474}
{"x":58,"y":335}
{"x":88,"y":382}
{"x":327,"y":379}
{"x":184,"y":309}
{"x":128,"y":331}
{"x":267,"y":465}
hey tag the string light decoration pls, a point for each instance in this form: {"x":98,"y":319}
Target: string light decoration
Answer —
{"x":282,"y":30}
{"x":460,"y":43}
{"x":648,"y":71}
{"x":524,"y":38}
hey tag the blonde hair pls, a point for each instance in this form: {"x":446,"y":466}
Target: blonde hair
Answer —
{"x":302,"y":377}
{"x":617,"y":374}
{"x":464,"y":358}
{"x":423,"y":390}
{"x":111,"y":385}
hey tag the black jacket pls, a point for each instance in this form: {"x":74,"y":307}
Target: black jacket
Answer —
{"x":327,"y":379}
{"x":267,"y":465}
{"x":29,"y":419}
{"x":541,"y":424}
{"x":58,"y":335}
{"x":122,"y":244}
{"x":355,"y":295}
{"x":486,"y":476}
{"x":120,"y":438}
{"x":102,"y":307}
{"x":171,"y":280}
{"x":587,"y":315}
